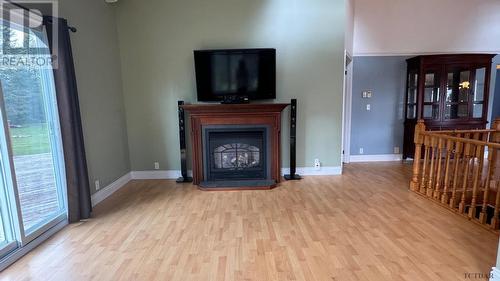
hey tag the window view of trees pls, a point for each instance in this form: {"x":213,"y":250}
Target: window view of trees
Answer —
{"x":23,"y":98}
{"x":21,"y":87}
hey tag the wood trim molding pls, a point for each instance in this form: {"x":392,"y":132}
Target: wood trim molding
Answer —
{"x":268,"y":114}
{"x":195,"y":109}
{"x":105,"y":192}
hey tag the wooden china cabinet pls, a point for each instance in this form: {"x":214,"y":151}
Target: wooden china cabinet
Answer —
{"x":447,"y":92}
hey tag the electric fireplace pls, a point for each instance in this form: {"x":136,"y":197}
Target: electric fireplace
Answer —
{"x":235,"y":152}
{"x":235,"y":146}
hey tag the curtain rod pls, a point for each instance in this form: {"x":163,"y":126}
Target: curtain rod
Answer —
{"x":71,"y":28}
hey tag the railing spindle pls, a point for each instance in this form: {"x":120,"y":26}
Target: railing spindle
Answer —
{"x":467,"y":158}
{"x":439,"y":167}
{"x":486,"y":194}
{"x":458,"y":159}
{"x":494,"y":220}
{"x":430,"y":183}
{"x":449,"y":147}
{"x":424,"y":167}
{"x":475,"y":182}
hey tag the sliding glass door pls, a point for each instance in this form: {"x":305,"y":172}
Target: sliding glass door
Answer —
{"x":32,"y":195}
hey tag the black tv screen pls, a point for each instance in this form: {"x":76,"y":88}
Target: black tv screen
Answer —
{"x":243,"y":72}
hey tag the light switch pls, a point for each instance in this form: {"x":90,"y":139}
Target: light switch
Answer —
{"x":366,"y":94}
{"x":368,"y":107}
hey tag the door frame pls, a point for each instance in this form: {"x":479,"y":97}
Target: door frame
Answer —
{"x":60,"y":176}
{"x":347,"y":108}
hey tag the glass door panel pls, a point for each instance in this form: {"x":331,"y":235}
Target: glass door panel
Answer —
{"x":431,"y":111}
{"x":431,"y":96}
{"x":411,"y":112}
{"x":411,"y":96}
{"x":477,"y":111}
{"x":455,"y":111}
{"x":478,"y":95}
{"x":8,"y":217}
{"x":33,"y":135}
{"x":458,"y":90}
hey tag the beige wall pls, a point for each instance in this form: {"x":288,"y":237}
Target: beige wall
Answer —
{"x":402,"y":27}
{"x":349,"y":26}
{"x":98,"y":73}
{"x":157,"y":38}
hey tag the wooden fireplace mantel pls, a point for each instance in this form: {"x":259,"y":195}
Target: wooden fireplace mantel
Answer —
{"x":194,"y":109}
{"x":267,"y":114}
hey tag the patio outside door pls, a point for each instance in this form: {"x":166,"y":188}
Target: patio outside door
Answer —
{"x":32,"y":175}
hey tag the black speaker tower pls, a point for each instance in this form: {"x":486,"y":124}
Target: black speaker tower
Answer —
{"x":293,"y":142}
{"x":182,"y":140}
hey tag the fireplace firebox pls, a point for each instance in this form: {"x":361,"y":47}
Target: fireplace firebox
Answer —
{"x":235,"y":152}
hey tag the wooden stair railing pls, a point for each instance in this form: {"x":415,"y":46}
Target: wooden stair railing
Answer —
{"x":450,"y":167}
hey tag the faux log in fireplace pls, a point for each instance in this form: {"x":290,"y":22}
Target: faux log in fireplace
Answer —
{"x":235,"y":146}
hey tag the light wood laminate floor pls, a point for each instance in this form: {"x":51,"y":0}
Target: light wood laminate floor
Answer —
{"x":364,"y":225}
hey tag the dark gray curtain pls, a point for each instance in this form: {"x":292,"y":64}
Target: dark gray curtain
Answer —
{"x":79,"y":205}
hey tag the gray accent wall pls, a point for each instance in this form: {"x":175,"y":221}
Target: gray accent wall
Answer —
{"x":379,"y":130}
{"x":494,"y":90}
{"x":495,"y":111}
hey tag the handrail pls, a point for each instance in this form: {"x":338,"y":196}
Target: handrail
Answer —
{"x":452,"y":168}
{"x":465,"y":140}
{"x":464,"y":131}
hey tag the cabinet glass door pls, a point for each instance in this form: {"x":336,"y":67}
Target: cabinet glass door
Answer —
{"x":431,"y":96}
{"x":478,"y":94}
{"x":411,"y":95}
{"x":458,"y":90}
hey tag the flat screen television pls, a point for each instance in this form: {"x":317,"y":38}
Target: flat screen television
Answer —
{"x":237,"y":73}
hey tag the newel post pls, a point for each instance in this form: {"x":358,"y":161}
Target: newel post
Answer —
{"x":419,"y":140}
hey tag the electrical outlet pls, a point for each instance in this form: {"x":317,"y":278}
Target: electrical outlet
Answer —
{"x":361,"y":150}
{"x":317,"y":165}
{"x":157,"y":165}
{"x":97,"y":185}
{"x":368,"y":107}
{"x":396,"y":150}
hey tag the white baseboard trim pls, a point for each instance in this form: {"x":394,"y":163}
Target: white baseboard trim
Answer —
{"x":495,"y":274}
{"x":105,"y":192}
{"x":174,"y":174}
{"x":158,"y":174}
{"x":376,"y":158}
{"x":310,"y":171}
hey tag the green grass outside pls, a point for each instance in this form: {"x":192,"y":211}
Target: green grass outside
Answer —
{"x":30,"y":139}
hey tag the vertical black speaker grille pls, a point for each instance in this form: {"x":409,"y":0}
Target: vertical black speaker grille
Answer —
{"x":293,"y":142}
{"x":182,"y":142}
